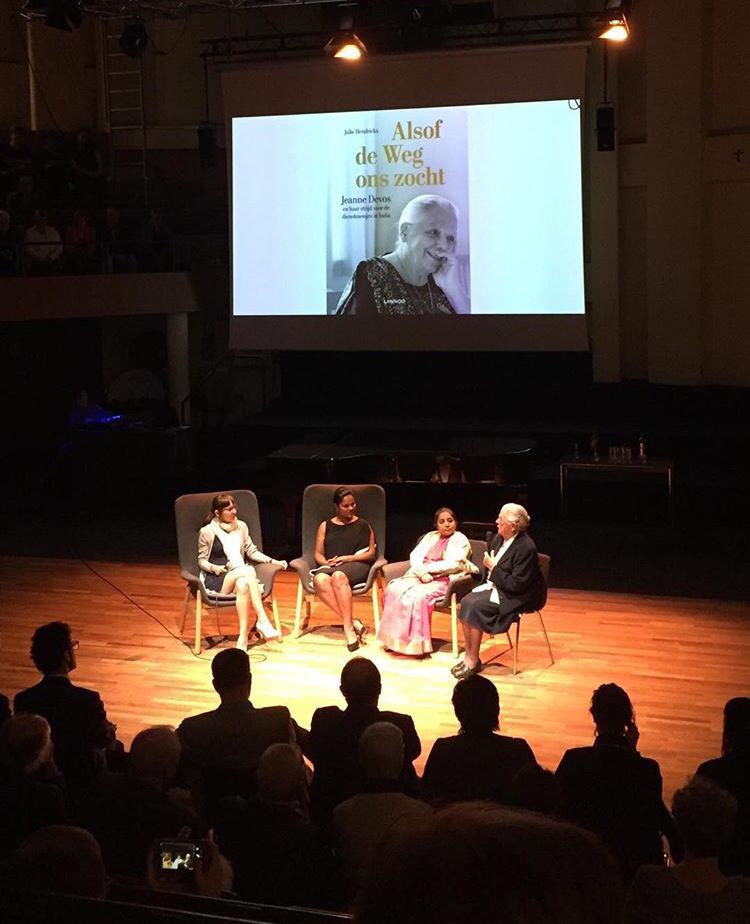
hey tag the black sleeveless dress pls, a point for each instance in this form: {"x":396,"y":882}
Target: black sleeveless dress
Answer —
{"x":347,"y":540}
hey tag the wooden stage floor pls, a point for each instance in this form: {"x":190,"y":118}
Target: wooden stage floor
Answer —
{"x":679,"y":659}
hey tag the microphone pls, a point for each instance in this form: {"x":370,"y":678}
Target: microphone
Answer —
{"x":489,"y":537}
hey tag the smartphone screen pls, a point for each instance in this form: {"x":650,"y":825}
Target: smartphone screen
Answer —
{"x":179,"y":856}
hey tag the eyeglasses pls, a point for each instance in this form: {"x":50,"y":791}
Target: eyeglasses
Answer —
{"x":74,"y":645}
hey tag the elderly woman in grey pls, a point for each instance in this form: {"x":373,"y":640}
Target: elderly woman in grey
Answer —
{"x":513,"y":582}
{"x":420,"y":275}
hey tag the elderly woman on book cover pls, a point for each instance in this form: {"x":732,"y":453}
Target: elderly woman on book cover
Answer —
{"x":406,"y":623}
{"x":420,"y":275}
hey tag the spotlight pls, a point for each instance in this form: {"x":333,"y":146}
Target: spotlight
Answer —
{"x":345,"y":44}
{"x":617,"y":29}
{"x":133,"y":40}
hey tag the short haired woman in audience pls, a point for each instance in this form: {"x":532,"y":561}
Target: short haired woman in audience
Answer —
{"x":344,"y":551}
{"x":613,"y":791}
{"x":409,"y":600}
{"x":224,"y":552}
{"x":695,"y":889}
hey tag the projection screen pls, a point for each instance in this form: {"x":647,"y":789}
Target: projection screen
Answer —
{"x":427,"y":201}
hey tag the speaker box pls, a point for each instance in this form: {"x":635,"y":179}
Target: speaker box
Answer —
{"x":605,"y":128}
{"x":207,"y":145}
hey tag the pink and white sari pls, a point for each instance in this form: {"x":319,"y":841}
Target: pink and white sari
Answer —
{"x":406,"y":624}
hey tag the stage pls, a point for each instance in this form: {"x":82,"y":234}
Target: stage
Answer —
{"x":679,"y":659}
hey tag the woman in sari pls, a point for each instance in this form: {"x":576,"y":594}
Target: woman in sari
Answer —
{"x":405,"y":626}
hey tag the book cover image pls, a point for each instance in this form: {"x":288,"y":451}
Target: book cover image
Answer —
{"x":397,"y":231}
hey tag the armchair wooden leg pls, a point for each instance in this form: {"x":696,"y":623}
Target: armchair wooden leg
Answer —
{"x":198,"y":614}
{"x":185,"y":603}
{"x":275,"y":611}
{"x":298,"y":610}
{"x":515,"y":648}
{"x":376,"y":605}
{"x":454,"y":627}
{"x":546,"y":637}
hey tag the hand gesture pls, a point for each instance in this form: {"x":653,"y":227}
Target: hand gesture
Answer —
{"x":488,"y":561}
{"x":445,"y":275}
{"x":425,"y":578}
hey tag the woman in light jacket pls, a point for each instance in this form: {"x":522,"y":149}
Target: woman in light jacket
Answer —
{"x":409,"y":601}
{"x":224,"y":550}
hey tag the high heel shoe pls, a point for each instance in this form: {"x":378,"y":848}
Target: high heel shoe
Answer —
{"x":267,"y":633}
{"x":352,"y":646}
{"x":361,"y":629}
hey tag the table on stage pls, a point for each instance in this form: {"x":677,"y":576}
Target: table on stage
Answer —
{"x":663,"y":468}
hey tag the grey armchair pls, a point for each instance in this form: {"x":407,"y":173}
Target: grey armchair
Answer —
{"x":458,"y":586}
{"x":190,"y":513}
{"x":317,"y":505}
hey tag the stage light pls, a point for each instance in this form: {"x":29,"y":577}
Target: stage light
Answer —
{"x":133,"y":40}
{"x":617,"y":29}
{"x":346,"y":45}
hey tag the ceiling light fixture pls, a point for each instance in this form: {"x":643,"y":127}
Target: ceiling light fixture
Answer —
{"x":617,"y":29}
{"x":346,"y":45}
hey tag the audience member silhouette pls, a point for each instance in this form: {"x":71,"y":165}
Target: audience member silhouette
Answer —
{"x":59,"y":859}
{"x":536,"y":789}
{"x":221,"y":748}
{"x":477,"y":763}
{"x":80,"y":730}
{"x":361,"y":821}
{"x":5,"y":712}
{"x":612,"y":790}
{"x":277,"y":854}
{"x":29,"y":795}
{"x":731,"y":771}
{"x":483,"y":863}
{"x":695,"y":889}
{"x":332,"y":745}
{"x":126,"y":812}
{"x":86,"y":170}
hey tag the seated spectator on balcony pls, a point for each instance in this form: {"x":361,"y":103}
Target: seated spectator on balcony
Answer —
{"x":7,"y":246}
{"x":361,"y":821}
{"x":80,"y":244}
{"x":477,"y":763}
{"x":158,"y":243}
{"x":117,"y":245}
{"x":127,"y":812}
{"x":55,"y":173}
{"x":30,"y":796}
{"x":23,"y":202}
{"x":278,"y":856}
{"x":695,"y":889}
{"x":333,"y":743}
{"x":86,"y":171}
{"x":731,"y":771}
{"x":488,"y":864}
{"x":80,"y":730}
{"x":43,"y":246}
{"x":17,"y":158}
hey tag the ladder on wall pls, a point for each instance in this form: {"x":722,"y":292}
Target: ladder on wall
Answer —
{"x":124,"y":110}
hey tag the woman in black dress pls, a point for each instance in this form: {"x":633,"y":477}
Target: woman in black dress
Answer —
{"x":344,"y":551}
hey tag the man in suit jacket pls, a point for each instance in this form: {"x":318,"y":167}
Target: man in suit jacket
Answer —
{"x":514,"y":582}
{"x":221,"y":749}
{"x":334,"y":739}
{"x":80,"y":730}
